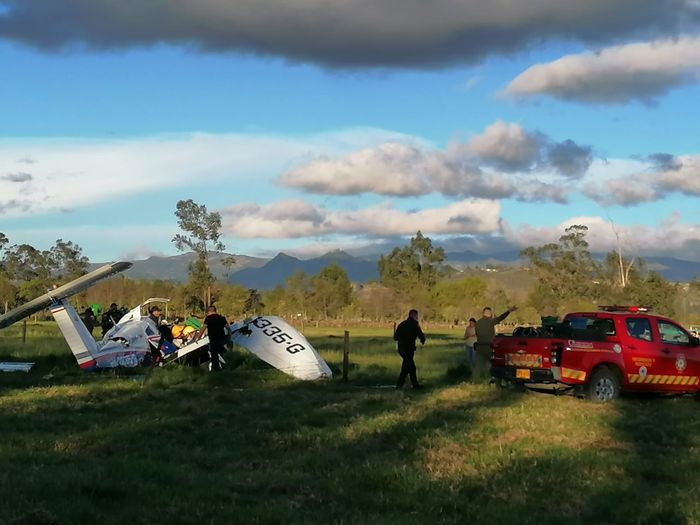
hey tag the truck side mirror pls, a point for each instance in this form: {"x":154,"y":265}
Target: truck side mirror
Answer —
{"x":694,"y":341}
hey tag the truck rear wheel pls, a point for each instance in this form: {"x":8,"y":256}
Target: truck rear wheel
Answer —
{"x":604,"y":385}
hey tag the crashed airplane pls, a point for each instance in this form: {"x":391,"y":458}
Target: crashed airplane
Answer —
{"x":130,"y":342}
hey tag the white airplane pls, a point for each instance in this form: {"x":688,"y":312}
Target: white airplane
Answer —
{"x":135,"y":339}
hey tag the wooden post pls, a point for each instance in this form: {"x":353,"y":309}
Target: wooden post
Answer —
{"x":346,"y":356}
{"x":24,"y":331}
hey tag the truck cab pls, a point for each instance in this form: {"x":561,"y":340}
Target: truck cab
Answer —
{"x":602,"y":353}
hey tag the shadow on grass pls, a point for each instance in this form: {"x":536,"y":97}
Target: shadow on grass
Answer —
{"x":252,"y":446}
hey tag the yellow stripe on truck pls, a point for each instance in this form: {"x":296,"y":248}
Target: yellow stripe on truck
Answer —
{"x":660,"y":379}
{"x":570,"y":373}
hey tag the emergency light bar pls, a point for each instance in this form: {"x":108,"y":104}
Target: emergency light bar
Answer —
{"x":631,"y":309}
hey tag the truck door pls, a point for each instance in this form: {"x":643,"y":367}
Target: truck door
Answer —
{"x":679,"y":355}
{"x":640,"y":349}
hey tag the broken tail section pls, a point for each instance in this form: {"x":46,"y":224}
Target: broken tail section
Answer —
{"x":81,"y":343}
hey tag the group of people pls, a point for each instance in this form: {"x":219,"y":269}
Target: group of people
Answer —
{"x":478,"y":337}
{"x":92,"y":314}
{"x":215,"y":325}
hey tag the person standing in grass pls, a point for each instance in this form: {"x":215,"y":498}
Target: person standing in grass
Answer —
{"x":405,"y":335}
{"x":219,"y":334}
{"x":469,"y":341}
{"x":485,"y":332}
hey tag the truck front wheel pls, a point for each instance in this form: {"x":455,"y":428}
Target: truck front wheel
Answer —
{"x":604,"y":385}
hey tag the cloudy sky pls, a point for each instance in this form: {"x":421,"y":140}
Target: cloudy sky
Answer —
{"x":321,"y":124}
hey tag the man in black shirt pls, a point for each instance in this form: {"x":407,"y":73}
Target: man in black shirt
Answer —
{"x":110,"y":318}
{"x":219,"y":333}
{"x":405,"y":335}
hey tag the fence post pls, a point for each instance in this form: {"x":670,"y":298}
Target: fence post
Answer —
{"x":24,"y":331}
{"x":346,"y":355}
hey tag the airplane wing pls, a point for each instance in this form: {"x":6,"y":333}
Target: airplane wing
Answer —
{"x":279,"y":344}
{"x":74,"y":287}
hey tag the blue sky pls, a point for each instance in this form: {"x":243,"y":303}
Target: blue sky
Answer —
{"x":319,"y":138}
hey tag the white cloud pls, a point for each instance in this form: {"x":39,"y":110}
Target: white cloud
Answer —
{"x":614,"y":75}
{"x":625,"y":191}
{"x":288,"y":219}
{"x":389,"y":169}
{"x":670,"y":237}
{"x":664,"y":174}
{"x":508,"y":146}
{"x":486,"y":166}
{"x":73,"y":173}
{"x":684,"y":177}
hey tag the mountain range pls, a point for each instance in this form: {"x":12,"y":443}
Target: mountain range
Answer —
{"x":264,"y":273}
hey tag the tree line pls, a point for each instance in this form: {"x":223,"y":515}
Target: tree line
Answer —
{"x":559,"y":277}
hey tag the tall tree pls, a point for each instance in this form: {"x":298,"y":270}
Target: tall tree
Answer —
{"x":68,"y":260}
{"x":299,"y":291}
{"x":416,"y":265}
{"x":565,"y":270}
{"x":201,"y":234}
{"x":254,"y":302}
{"x":332,"y":290}
{"x":8,"y":291}
{"x":456,"y":299}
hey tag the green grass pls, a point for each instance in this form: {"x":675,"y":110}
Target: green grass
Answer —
{"x":250,"y":445}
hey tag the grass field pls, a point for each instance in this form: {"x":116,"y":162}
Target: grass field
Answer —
{"x":250,"y":445}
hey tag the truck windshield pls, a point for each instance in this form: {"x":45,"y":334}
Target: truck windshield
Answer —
{"x":590,"y":328}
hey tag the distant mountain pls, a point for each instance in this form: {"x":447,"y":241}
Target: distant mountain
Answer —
{"x":263,"y":274}
{"x":468,"y":258}
{"x":674,"y":269}
{"x":175,"y":268}
{"x":282,"y":266}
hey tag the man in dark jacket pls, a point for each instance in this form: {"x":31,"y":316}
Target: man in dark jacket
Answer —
{"x":219,"y":333}
{"x":405,"y":335}
{"x":485,"y":332}
{"x":110,"y":318}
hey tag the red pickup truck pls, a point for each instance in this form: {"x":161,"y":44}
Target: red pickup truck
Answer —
{"x":601,"y":353}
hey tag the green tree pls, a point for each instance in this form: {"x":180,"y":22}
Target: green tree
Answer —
{"x":67,"y":260}
{"x":276,"y":301}
{"x":564,"y":270}
{"x":254,"y":303}
{"x":655,"y":292}
{"x":457,"y":299}
{"x":201,"y":234}
{"x":233,"y":297}
{"x":412,"y":271}
{"x":299,"y":291}
{"x":8,"y":291}
{"x":379,"y":302}
{"x":332,"y":290}
{"x":619,"y":278}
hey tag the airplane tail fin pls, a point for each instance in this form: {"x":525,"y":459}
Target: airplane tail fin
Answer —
{"x":81,"y":343}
